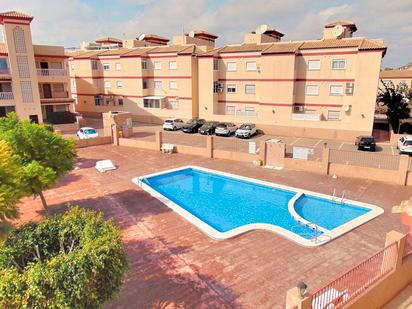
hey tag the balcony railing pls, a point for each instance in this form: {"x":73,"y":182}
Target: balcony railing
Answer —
{"x":4,"y":71}
{"x":6,"y":96}
{"x":55,"y":95}
{"x":305,"y":116}
{"x":242,"y":113}
{"x":51,"y":72}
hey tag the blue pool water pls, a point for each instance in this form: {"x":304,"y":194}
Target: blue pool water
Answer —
{"x":226,"y":203}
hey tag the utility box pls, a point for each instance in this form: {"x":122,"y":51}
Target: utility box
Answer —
{"x":121,"y":120}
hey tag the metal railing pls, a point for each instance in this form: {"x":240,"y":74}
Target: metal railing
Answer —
{"x":365,"y":159}
{"x":6,"y":96}
{"x":346,"y":287}
{"x":5,"y":71}
{"x":51,"y":72}
{"x":408,"y":246}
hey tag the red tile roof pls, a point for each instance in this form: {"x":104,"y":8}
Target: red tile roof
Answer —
{"x":15,"y":15}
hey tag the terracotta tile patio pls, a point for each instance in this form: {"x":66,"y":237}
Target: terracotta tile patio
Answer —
{"x":174,"y":265}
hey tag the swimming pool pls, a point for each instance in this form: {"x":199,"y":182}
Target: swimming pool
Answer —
{"x":225,"y":205}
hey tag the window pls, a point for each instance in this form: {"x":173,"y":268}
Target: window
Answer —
{"x":250,"y":110}
{"x":2,"y":38}
{"x":145,"y":84}
{"x":157,"y":65}
{"x":97,"y":100}
{"x":230,"y":110}
{"x":26,"y":91}
{"x":119,"y":84}
{"x":158,"y":84}
{"x":23,"y":66}
{"x":94,"y":65}
{"x":150,"y":103}
{"x":312,"y":90}
{"x":334,"y":115}
{"x":106,"y":67}
{"x":215,"y":64}
{"x":217,"y":87}
{"x":118,"y":66}
{"x":231,"y":66}
{"x":107,"y":84}
{"x":251,"y":89}
{"x":59,"y":87}
{"x":144,"y":64}
{"x":174,"y":104}
{"x":74,"y":83}
{"x":172,"y":84}
{"x":231,"y":88}
{"x":19,"y":41}
{"x":313,"y":65}
{"x":120,"y":101}
{"x":72,"y":66}
{"x":336,"y":90}
{"x":251,"y":66}
{"x":338,"y":64}
{"x":172,"y":65}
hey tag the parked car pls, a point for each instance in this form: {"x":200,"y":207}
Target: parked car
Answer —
{"x":366,"y":143}
{"x":208,"y":128}
{"x":405,"y":144}
{"x":225,"y":129}
{"x":86,"y":133}
{"x":193,"y":125}
{"x":246,"y":130}
{"x":173,"y":124}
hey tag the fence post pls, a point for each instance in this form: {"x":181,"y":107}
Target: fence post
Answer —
{"x":209,"y":146}
{"x":394,"y":236}
{"x":115,"y":134}
{"x":325,"y":160}
{"x":262,"y":152}
{"x":159,"y":140}
{"x":295,"y":301}
{"x":403,"y":169}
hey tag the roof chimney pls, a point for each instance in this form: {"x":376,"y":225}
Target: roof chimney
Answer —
{"x":263,"y":34}
{"x":145,"y":40}
{"x":196,"y":37}
{"x":339,"y":29}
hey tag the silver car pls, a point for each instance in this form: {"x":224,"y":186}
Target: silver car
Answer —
{"x":225,"y":129}
{"x":173,"y":124}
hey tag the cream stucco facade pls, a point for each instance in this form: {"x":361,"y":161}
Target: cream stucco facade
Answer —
{"x":33,"y":78}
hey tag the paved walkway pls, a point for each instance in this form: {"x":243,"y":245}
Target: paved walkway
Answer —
{"x":174,"y":265}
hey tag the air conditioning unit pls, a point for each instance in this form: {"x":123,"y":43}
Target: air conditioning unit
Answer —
{"x":298,"y":108}
{"x":349,"y":88}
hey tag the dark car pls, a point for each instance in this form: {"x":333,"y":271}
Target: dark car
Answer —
{"x":366,"y":143}
{"x":193,"y":125}
{"x":208,"y":128}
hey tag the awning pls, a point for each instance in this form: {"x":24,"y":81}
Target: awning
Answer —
{"x":155,"y":97}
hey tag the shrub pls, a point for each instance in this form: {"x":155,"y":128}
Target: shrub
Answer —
{"x":74,"y":260}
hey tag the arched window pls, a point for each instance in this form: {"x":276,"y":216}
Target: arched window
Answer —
{"x":19,"y":41}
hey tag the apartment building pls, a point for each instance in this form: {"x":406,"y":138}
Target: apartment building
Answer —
{"x":34,"y":81}
{"x":397,"y":77}
{"x":324,"y":88}
{"x":144,"y":76}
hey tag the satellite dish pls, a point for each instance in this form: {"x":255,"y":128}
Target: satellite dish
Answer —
{"x":141,"y":37}
{"x":346,"y":108}
{"x":337,"y":31}
{"x":192,"y":34}
{"x":261,"y":29}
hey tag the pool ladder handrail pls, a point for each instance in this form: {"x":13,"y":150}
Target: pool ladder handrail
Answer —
{"x":314,"y":236}
{"x":334,"y":198}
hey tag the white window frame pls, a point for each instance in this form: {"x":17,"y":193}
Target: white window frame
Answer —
{"x":172,"y":65}
{"x":118,"y":66}
{"x":172,"y":85}
{"x":106,"y":66}
{"x":251,"y":66}
{"x":119,"y":84}
{"x":249,"y":91}
{"x":174,"y":104}
{"x":107,"y":84}
{"x":335,"y":112}
{"x":231,"y":86}
{"x":231,"y":66}
{"x":157,"y":65}
{"x":312,"y":93}
{"x":215,"y":64}
{"x":313,"y":65}
{"x":144,"y":64}
{"x":158,"y":84}
{"x":228,"y":110}
{"x":333,"y":92}
{"x":338,"y":61}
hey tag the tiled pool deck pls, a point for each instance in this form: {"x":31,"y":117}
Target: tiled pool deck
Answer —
{"x":173,"y":265}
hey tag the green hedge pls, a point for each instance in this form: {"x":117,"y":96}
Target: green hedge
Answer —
{"x":74,"y":260}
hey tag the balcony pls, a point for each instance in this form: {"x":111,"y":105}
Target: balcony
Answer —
{"x":55,"y":95}
{"x":4,"y":71}
{"x":6,"y":96}
{"x":51,"y":72}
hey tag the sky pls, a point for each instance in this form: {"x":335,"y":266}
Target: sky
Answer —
{"x":69,"y":22}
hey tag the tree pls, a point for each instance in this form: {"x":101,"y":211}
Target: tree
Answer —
{"x":10,"y":182}
{"x":397,"y":104}
{"x":43,"y":155}
{"x":73,"y":260}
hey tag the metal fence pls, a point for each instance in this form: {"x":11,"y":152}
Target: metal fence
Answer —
{"x":349,"y":285}
{"x":365,"y":159}
{"x":236,"y":144}
{"x":186,"y":139}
